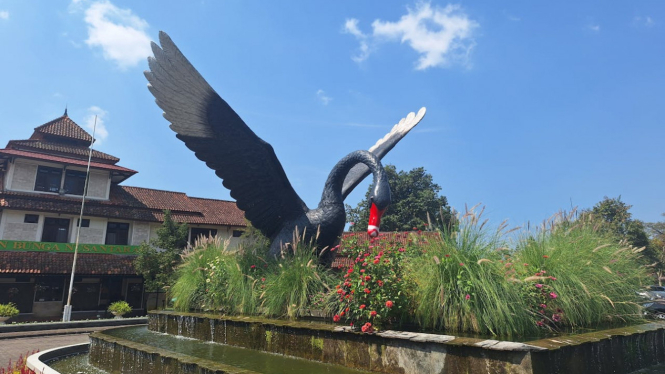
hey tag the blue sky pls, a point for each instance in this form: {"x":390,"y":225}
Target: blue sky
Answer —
{"x":531,"y":107}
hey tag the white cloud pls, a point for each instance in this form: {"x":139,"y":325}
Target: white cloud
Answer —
{"x":119,"y":33}
{"x":351,"y":27}
{"x":594,"y":28}
{"x":4,"y":14}
{"x":325,"y":99}
{"x":440,"y":35}
{"x":644,"y":21}
{"x":100,"y":132}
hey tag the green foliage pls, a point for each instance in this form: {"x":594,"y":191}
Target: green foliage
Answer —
{"x":157,"y":260}
{"x":617,"y":219}
{"x":462,"y":286}
{"x":287,"y":286}
{"x":8,"y":310}
{"x":243,"y":282}
{"x":120,"y":308}
{"x":414,"y":195}
{"x":595,"y":275}
{"x":372,"y":292}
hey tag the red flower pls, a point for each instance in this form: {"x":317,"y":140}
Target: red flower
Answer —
{"x":447,"y":255}
{"x":350,"y":270}
{"x":525,"y":264}
{"x":367,"y":277}
{"x":362,"y":307}
{"x":543,"y":306}
{"x":336,"y":318}
{"x":367,"y":290}
{"x":380,"y":283}
{"x":389,"y":304}
{"x":372,"y":313}
{"x":362,"y":270}
{"x":401,"y":249}
{"x":340,"y":291}
{"x":376,"y":261}
{"x":467,"y":296}
{"x":556,"y":317}
{"x":461,"y":264}
{"x":263,"y":279}
{"x":253,"y":267}
{"x":546,"y":256}
{"x":540,"y":323}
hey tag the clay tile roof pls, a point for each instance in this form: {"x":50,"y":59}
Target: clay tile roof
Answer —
{"x":64,"y":127}
{"x":61,"y":149}
{"x":155,"y":199}
{"x":362,"y":239}
{"x":65,"y":160}
{"x":221,"y":211}
{"x":61,"y":263}
{"x":133,"y":203}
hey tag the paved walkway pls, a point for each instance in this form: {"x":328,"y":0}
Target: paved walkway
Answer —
{"x":15,"y":344}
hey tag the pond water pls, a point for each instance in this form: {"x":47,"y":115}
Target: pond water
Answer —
{"x":256,"y":361}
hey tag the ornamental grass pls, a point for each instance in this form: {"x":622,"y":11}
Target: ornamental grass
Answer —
{"x":570,"y":274}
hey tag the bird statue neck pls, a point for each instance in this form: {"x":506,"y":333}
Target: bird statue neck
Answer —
{"x":332,"y":192}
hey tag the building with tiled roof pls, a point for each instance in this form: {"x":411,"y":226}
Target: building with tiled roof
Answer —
{"x":42,"y":182}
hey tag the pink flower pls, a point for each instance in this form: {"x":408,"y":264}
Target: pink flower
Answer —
{"x":253,"y":267}
{"x":372,"y":313}
{"x":467,"y":296}
{"x":556,"y":317}
{"x":461,"y":264}
{"x":543,"y":306}
{"x":540,"y":323}
{"x":401,"y":249}
{"x":539,"y":285}
{"x":553,"y":295}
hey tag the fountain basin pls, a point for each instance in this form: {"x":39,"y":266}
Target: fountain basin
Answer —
{"x":620,"y":350}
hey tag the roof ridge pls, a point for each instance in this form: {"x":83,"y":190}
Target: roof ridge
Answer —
{"x":210,"y":198}
{"x":66,"y":121}
{"x":153,"y":189}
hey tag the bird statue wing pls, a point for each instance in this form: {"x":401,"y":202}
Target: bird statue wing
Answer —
{"x":247,"y":165}
{"x":382,"y":146}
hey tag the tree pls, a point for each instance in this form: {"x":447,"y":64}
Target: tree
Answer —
{"x":617,"y":219}
{"x":414,"y":195}
{"x":656,"y":231}
{"x":157,"y":260}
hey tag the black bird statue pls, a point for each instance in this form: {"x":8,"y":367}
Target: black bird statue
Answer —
{"x":248,"y":165}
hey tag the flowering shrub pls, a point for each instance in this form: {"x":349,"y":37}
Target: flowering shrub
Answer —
{"x":372,"y":292}
{"x":543,"y":301}
{"x":18,"y":366}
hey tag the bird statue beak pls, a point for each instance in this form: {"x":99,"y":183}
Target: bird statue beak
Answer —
{"x":374,"y":220}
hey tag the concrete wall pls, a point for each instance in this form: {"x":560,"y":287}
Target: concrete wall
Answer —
{"x":23,"y":176}
{"x":13,"y":228}
{"x":140,"y":233}
{"x":94,"y":234}
{"x":98,"y":185}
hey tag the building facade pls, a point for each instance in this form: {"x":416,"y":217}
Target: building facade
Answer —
{"x":42,"y":182}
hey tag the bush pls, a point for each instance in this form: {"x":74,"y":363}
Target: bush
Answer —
{"x":461,"y":285}
{"x":592,"y":276}
{"x":119,"y":308}
{"x":372,"y":291}
{"x":8,"y":310}
{"x":18,"y":366}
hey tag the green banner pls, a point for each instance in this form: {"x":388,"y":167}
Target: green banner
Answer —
{"x":18,"y":245}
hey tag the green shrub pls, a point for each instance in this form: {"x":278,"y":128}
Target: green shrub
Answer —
{"x":286,"y":287}
{"x":460,"y":283}
{"x":372,"y":292}
{"x":120,"y":308}
{"x":593,"y":276}
{"x":8,"y":310}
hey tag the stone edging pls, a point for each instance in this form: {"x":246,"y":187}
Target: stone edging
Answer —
{"x":36,"y":362}
{"x":21,"y":327}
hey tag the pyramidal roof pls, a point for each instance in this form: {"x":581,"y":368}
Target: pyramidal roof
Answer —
{"x":62,"y":127}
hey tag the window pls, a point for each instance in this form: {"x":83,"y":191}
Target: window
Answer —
{"x":48,"y":179}
{"x":196,"y":232}
{"x":74,"y":182}
{"x":237,"y":233}
{"x":49,"y":288}
{"x":56,"y":230}
{"x":31,"y":218}
{"x":117,"y":233}
{"x":84,"y":222}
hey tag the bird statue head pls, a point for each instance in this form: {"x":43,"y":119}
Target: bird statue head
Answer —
{"x":378,"y":204}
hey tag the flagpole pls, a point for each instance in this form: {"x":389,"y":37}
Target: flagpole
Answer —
{"x":67,"y":313}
